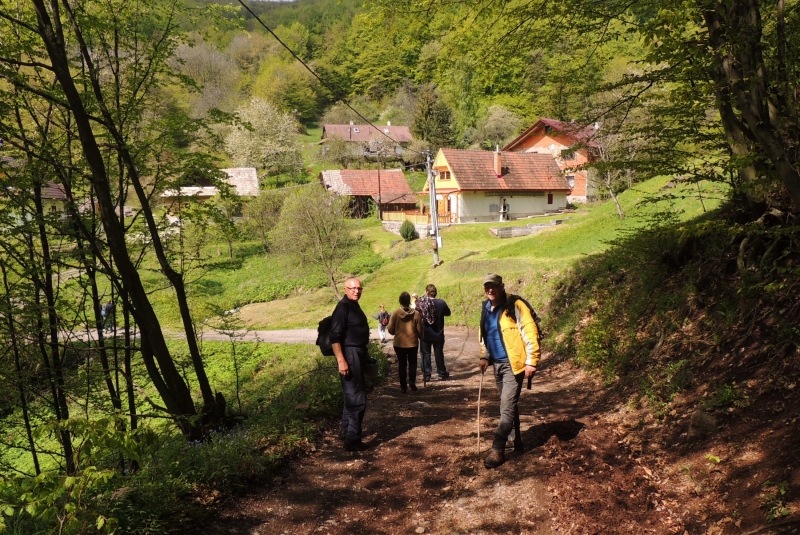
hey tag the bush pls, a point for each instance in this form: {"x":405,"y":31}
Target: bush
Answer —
{"x":408,"y":231}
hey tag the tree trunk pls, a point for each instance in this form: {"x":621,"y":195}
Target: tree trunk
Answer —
{"x":735,"y":33}
{"x":175,"y":393}
{"x":12,"y":334}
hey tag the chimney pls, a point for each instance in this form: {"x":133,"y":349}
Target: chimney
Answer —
{"x":388,"y":123}
{"x":352,"y":123}
{"x":498,"y":168}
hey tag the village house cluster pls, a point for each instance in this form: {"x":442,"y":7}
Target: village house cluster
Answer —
{"x":541,"y":171}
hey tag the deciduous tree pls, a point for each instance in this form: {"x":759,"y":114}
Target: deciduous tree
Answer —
{"x":314,"y":228}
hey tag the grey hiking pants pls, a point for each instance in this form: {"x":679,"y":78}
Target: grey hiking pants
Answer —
{"x":509,"y":387}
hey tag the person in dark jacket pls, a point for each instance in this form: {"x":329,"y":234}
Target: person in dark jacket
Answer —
{"x":349,"y":338}
{"x":405,"y":324}
{"x":433,"y":313}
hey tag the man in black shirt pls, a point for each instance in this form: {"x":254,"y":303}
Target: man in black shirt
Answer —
{"x":349,"y":338}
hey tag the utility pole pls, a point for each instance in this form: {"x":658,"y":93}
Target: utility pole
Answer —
{"x":380,"y":210}
{"x":434,"y":210}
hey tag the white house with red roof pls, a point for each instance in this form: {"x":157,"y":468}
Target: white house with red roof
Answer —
{"x":388,"y":187}
{"x":481,"y":186}
{"x":571,"y":144}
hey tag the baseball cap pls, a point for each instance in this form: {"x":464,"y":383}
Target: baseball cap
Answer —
{"x":493,"y":278}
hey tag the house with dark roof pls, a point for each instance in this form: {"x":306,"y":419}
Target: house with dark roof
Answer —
{"x":571,"y":144}
{"x":481,"y":186}
{"x":371,"y":187}
{"x":391,"y":139}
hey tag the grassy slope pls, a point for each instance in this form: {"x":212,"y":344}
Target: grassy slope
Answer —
{"x":530,"y":264}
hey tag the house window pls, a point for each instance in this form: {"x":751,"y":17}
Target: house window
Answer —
{"x":548,"y":130}
{"x":444,"y":175}
{"x":571,"y":180}
{"x":549,"y":198}
{"x":54,"y":209}
{"x":568,"y":155}
{"x":356,"y":130}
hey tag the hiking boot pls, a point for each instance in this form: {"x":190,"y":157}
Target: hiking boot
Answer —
{"x":356,"y":446}
{"x":444,"y":376}
{"x":494,"y":459}
{"x":413,"y":387}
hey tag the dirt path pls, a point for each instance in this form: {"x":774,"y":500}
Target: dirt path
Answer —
{"x":588,"y":468}
{"x":423,"y":473}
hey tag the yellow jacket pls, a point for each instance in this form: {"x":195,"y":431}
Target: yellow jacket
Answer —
{"x":518,"y":332}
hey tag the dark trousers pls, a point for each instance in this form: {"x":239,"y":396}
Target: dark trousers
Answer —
{"x":509,"y":386}
{"x":438,"y":352}
{"x":354,"y":390}
{"x":406,"y":358}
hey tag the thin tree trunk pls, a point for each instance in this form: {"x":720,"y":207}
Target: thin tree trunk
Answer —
{"x":18,"y":370}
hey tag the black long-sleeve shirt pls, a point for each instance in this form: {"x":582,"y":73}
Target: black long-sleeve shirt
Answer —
{"x":349,"y":325}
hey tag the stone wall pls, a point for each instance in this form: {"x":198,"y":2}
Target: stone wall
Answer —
{"x":514,"y":232}
{"x":423,"y":230}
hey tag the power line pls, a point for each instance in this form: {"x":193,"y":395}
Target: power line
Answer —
{"x":315,"y":75}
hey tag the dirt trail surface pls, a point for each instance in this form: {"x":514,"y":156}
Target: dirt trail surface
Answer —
{"x":423,"y":472}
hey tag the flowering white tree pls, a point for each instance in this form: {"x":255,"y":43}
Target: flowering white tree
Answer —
{"x":265,"y":138}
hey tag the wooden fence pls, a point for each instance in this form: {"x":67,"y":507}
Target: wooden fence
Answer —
{"x":416,"y":217}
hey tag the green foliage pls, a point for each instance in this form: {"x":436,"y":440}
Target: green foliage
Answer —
{"x":314,"y":229}
{"x":77,"y":502}
{"x":408,"y":231}
{"x":433,"y":119}
{"x":775,"y":501}
{"x":725,"y":396}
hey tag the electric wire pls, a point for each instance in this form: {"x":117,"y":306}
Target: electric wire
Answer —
{"x":317,"y":76}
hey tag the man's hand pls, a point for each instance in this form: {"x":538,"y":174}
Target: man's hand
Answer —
{"x":483,"y":365}
{"x":530,"y":371}
{"x":344,"y":368}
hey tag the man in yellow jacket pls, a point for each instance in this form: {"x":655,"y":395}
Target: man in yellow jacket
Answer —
{"x":509,"y":341}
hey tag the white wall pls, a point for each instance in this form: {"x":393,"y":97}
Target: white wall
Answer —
{"x":475,"y":207}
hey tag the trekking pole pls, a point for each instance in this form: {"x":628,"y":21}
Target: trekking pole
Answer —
{"x":480,"y":389}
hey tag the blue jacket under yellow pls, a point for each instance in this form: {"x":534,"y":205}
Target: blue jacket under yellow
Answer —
{"x":519,"y":334}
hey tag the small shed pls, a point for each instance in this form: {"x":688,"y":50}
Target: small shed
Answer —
{"x":371,"y":187}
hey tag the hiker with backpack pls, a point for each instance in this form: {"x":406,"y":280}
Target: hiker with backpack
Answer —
{"x":405,"y":325}
{"x":349,"y":336}
{"x":433,"y":312}
{"x":383,"y":321}
{"x":509,"y":341}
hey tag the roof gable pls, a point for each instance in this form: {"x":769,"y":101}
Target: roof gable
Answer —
{"x":521,"y":171}
{"x":577,"y":132}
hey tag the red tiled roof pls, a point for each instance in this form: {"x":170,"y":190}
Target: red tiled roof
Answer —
{"x":365,"y":132}
{"x":522,"y":171}
{"x":364,"y":183}
{"x":578,"y":132}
